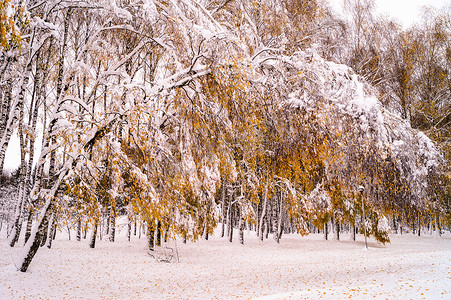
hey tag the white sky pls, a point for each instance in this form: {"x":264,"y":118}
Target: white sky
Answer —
{"x":405,"y":11}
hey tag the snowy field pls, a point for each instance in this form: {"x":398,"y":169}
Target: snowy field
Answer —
{"x":411,"y":267}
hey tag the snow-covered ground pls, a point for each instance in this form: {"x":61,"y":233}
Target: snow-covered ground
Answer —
{"x":411,"y":267}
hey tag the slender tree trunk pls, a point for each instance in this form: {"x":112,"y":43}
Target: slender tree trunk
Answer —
{"x":129,"y":229}
{"x":158,"y":241}
{"x":353,"y":230}
{"x":32,"y":246}
{"x":108,"y":221}
{"x":325,"y":231}
{"x":52,"y":231}
{"x":113,"y":223}
{"x":5,"y":115}
{"x":280,"y":218}
{"x":150,"y":235}
{"x":241,"y":230}
{"x":223,"y":200}
{"x":274,"y":217}
{"x":437,"y":223}
{"x":230,"y":227}
{"x":267,"y":225}
{"x":85,"y":230}
{"x":46,"y":229}
{"x":262,"y":218}
{"x":395,"y":227}
{"x":337,"y":230}
{"x":17,"y":227}
{"x":229,"y":215}
{"x":257,"y":216}
{"x":134,"y":228}
{"x":10,"y":120}
{"x":92,"y":244}
{"x":79,"y":229}
{"x":419,"y":225}
{"x":68,"y":231}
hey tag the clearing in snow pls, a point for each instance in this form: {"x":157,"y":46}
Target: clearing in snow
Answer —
{"x":309,"y":267}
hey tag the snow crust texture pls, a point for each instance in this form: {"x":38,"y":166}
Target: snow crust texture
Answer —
{"x":411,"y":267}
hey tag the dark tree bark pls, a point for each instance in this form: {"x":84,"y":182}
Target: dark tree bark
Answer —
{"x":79,"y":229}
{"x":52,"y":231}
{"x":46,"y":230}
{"x":112,"y":223}
{"x":158,"y":240}
{"x":223,"y":203}
{"x":231,"y":218}
{"x":151,"y":235}
{"x":129,"y":229}
{"x":92,"y":244}
{"x":29,"y":224}
{"x":134,"y":228}
{"x":264,"y":208}
{"x":326,"y":231}
{"x":337,"y":230}
{"x":241,"y":229}
{"x":274,"y":220}
{"x":229,"y":214}
{"x":35,"y":239}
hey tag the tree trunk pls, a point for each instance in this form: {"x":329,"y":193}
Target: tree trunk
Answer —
{"x":108,"y":221}
{"x":46,"y":229}
{"x":150,"y":235}
{"x":52,"y":231}
{"x":32,"y":246}
{"x":92,"y":244}
{"x":79,"y":229}
{"x":280,"y":219}
{"x":29,"y":224}
{"x":134,"y":228}
{"x":5,"y":117}
{"x":437,"y":224}
{"x":274,"y":219}
{"x":229,"y":214}
{"x":353,"y":231}
{"x":85,"y":230}
{"x":419,"y":225}
{"x":223,"y":202}
{"x":325,"y":231}
{"x":262,"y":218}
{"x":17,"y":227}
{"x":230,"y":227}
{"x":112,"y":223}
{"x":337,"y":230}
{"x":158,"y":241}
{"x":241,"y":230}
{"x":129,"y":229}
{"x":68,"y":231}
{"x":395,"y":227}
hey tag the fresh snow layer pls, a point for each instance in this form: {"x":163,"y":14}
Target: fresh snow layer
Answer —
{"x":411,"y":267}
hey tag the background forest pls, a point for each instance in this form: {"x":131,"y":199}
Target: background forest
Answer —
{"x":179,"y":114}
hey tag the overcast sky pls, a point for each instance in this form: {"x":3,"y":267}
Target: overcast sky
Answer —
{"x":405,"y":11}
